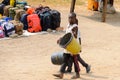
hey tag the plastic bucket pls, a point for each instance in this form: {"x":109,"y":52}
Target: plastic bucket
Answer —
{"x":70,"y":44}
{"x":57,"y":58}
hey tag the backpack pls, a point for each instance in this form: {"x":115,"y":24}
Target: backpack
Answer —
{"x":13,"y":3}
{"x":2,"y":8}
{"x":92,"y":5}
{"x":24,"y":21}
{"x":42,"y":9}
{"x":20,"y":6}
{"x":18,"y":27}
{"x":45,"y":16}
{"x":34,"y":24}
{"x":9,"y":2}
{"x":56,"y":19}
{"x":46,"y":20}
{"x":1,"y":32}
{"x":6,"y":10}
{"x":9,"y":28}
{"x":21,"y":2}
{"x":7,"y":19}
{"x":12,"y":12}
{"x":1,"y":22}
{"x":30,"y":11}
{"x":19,"y":13}
{"x":6,"y":2}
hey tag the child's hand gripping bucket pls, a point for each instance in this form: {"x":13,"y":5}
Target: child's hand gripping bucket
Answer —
{"x":70,"y":44}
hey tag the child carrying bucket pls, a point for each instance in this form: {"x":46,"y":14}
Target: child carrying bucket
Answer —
{"x":68,"y":58}
{"x":76,"y":34}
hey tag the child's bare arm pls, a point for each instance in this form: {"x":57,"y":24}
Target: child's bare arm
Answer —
{"x":58,"y":41}
{"x":80,"y":41}
{"x":74,"y":31}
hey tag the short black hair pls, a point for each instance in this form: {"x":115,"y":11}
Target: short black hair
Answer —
{"x":72,"y":14}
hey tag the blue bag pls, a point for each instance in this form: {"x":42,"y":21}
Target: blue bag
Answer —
{"x":7,"y":19}
{"x":24,"y":21}
{"x":9,"y":28}
{"x":46,"y":20}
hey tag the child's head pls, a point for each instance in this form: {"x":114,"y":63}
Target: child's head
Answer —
{"x":72,"y":18}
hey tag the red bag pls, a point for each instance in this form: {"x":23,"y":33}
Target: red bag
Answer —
{"x":34,"y":24}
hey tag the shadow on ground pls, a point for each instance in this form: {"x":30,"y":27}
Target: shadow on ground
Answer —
{"x":112,"y":19}
{"x":91,"y":75}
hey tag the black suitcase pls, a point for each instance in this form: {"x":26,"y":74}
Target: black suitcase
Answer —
{"x":6,"y":2}
{"x":56,"y":19}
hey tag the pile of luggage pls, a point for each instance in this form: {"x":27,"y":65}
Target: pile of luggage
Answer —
{"x":17,"y":16}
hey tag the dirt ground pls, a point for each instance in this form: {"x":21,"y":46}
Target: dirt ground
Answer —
{"x":29,"y":58}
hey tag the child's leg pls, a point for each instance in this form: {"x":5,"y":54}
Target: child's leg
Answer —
{"x":83,"y":63}
{"x":76,"y":67}
{"x":70,"y":62}
{"x":64,"y":65}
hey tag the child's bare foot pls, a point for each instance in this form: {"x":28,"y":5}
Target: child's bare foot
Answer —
{"x":88,"y":68}
{"x":76,"y":76}
{"x":58,"y":75}
{"x":59,"y":29}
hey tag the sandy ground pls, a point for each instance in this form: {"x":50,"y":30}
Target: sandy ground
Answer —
{"x":29,"y":58}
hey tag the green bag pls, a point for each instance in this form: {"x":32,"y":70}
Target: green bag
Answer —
{"x":20,"y":6}
{"x":6,"y":10}
{"x":12,"y":12}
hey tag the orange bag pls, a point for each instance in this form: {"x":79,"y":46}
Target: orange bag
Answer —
{"x":34,"y":24}
{"x":30,"y":11}
{"x":92,"y":5}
